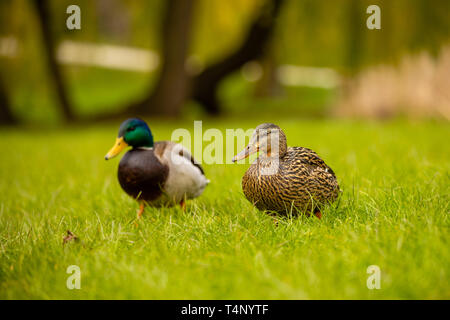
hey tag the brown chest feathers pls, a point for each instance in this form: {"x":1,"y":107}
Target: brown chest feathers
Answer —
{"x":299,"y":181}
{"x":142,"y":175}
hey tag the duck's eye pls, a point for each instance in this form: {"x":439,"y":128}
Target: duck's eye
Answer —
{"x":131,"y":129}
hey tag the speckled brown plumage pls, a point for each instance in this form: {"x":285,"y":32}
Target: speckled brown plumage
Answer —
{"x":302,"y":183}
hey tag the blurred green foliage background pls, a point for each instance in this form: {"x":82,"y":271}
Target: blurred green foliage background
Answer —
{"x":330,"y":34}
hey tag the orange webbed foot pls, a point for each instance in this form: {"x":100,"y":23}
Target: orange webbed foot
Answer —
{"x":318,"y":214}
{"x":141,"y":210}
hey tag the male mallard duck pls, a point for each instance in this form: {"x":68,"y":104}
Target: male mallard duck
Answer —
{"x":158,"y":174}
{"x":286,"y":179}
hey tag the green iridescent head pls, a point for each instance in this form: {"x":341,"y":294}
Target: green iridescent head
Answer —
{"x":132,"y":132}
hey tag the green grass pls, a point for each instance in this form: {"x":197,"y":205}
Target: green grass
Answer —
{"x":394,"y":213}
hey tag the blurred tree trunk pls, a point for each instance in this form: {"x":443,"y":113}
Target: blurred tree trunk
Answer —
{"x":268,"y":85}
{"x":175,"y":86}
{"x":113,"y":20}
{"x":172,"y":88}
{"x":206,"y":84}
{"x":356,"y":23}
{"x":352,"y":59}
{"x":44,"y":17}
{"x":6,"y":116}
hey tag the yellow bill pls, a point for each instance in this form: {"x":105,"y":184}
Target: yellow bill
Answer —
{"x":118,"y":147}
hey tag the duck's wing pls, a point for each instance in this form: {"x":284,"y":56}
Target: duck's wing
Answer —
{"x":310,"y":159}
{"x":310,"y":176}
{"x":165,"y":148}
{"x":186,"y":176}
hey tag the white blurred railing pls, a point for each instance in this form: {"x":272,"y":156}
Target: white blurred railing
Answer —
{"x":107,"y":56}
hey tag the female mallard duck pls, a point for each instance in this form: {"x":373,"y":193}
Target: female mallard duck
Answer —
{"x":157,"y":174}
{"x":283,"y":179}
